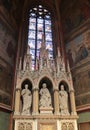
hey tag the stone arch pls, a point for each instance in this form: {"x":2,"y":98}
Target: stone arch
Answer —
{"x":64,"y":82}
{"x":66,"y":86}
{"x":26,"y":81}
{"x":47,"y":81}
{"x":19,"y":84}
{"x":47,"y":77}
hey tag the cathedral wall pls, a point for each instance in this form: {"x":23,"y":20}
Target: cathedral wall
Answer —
{"x":74,"y":14}
{"x":84,"y":117}
{"x":4,"y":120}
{"x":76,"y":28}
{"x":78,"y":54}
{"x":7,"y":64}
{"x":78,"y":49}
{"x":83,"y":121}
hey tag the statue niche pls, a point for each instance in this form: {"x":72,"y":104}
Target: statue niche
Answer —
{"x":26,"y":96}
{"x":63,"y":101}
{"x":45,"y":98}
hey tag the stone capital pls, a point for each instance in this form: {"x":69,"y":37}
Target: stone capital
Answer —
{"x":35,"y":89}
{"x":18,"y":89}
{"x":55,"y":89}
{"x":72,"y":91}
{"x":16,"y":113}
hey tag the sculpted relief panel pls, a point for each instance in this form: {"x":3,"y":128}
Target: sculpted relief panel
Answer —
{"x":47,"y":126}
{"x":67,"y":126}
{"x":24,"y":126}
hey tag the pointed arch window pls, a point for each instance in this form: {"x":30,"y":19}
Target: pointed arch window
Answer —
{"x":39,"y":24}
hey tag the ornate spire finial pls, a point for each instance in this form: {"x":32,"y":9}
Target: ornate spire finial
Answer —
{"x":28,"y":49}
{"x":58,"y":50}
{"x":43,"y":41}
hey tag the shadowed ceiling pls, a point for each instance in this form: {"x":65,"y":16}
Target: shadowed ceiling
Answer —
{"x":17,"y":7}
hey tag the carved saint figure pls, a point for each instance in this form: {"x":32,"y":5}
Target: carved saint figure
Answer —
{"x":45,"y":97}
{"x":27,"y":100}
{"x":63,"y":98}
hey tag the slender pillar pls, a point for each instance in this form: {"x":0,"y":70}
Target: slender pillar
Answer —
{"x":73,"y":106}
{"x":56,"y":101}
{"x":17,"y":101}
{"x":35,"y":101}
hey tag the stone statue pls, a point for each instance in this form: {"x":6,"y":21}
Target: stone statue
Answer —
{"x":63,"y":98}
{"x":45,"y":97}
{"x":27,"y":100}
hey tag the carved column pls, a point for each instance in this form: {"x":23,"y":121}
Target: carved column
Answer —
{"x":35,"y":100}
{"x":17,"y":101}
{"x":56,"y":101}
{"x":73,"y":106}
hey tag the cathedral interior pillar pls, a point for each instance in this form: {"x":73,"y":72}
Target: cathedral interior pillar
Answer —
{"x":35,"y":101}
{"x":17,"y":101}
{"x":73,"y":107}
{"x":56,"y":101}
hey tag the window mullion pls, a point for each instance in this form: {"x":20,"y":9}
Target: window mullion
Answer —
{"x":36,"y":42}
{"x":44,"y":28}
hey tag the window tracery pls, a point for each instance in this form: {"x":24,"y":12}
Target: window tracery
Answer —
{"x":39,"y":24}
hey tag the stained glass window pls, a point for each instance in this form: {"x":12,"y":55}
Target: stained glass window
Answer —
{"x":39,"y":24}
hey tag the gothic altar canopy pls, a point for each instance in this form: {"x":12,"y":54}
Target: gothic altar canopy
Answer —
{"x":45,"y":96}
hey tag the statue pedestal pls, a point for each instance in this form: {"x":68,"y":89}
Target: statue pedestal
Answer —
{"x":46,"y":110}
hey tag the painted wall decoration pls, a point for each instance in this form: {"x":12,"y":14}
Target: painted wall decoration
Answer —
{"x":7,"y":44}
{"x":6,"y":79}
{"x":81,"y":81}
{"x":78,"y":49}
{"x":83,"y":100}
{"x":74,"y":14}
{"x":7,"y":64}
